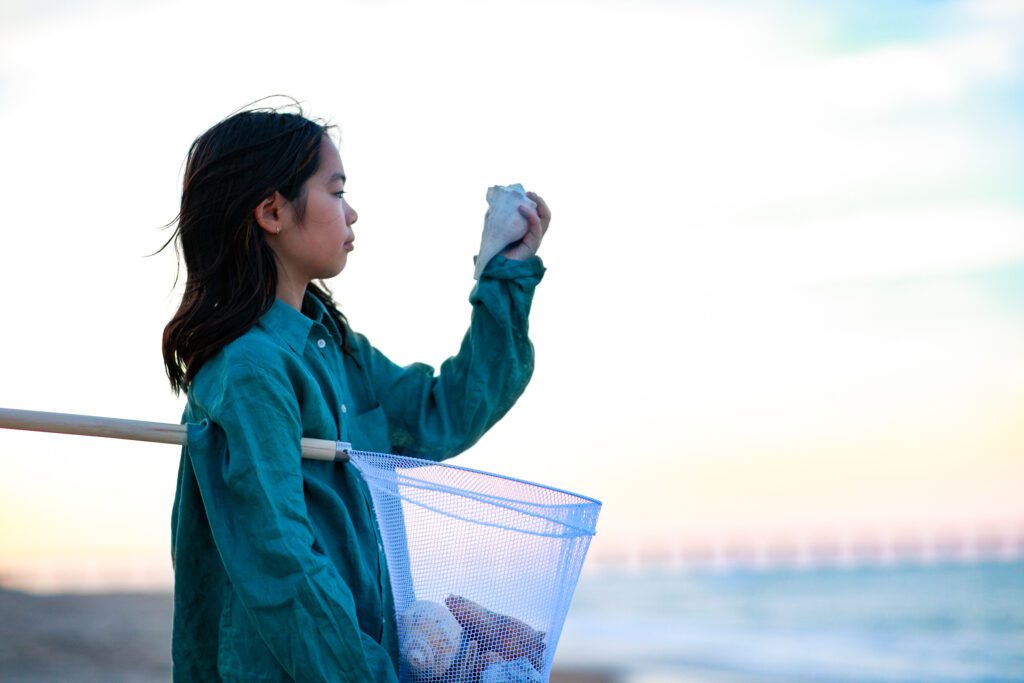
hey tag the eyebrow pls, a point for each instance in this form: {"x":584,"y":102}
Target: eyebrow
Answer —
{"x":337,"y":176}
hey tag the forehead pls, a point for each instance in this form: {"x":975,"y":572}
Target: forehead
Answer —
{"x":330,"y":159}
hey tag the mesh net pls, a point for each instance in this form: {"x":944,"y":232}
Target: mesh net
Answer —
{"x":483,"y":567}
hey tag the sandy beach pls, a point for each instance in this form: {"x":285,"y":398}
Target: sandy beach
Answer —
{"x":104,"y":638}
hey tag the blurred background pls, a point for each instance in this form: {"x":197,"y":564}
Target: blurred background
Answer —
{"x":781,"y":336}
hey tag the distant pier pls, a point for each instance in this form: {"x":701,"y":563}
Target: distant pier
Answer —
{"x":810,"y":551}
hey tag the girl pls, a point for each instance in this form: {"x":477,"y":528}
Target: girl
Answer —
{"x":279,"y":572}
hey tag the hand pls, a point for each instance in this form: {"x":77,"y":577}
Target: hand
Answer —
{"x":467,"y":671}
{"x":538,"y":225}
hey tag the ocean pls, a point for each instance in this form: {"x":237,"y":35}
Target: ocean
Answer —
{"x":940,"y":623}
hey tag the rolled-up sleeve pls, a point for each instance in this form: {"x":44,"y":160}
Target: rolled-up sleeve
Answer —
{"x":247,"y":463}
{"x":438,"y":415}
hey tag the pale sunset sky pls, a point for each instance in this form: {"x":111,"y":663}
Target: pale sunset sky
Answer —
{"x":785,"y":269}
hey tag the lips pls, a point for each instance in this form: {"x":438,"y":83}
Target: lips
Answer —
{"x":349,"y":246}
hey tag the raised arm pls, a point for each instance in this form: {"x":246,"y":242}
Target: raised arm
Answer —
{"x":438,"y":415}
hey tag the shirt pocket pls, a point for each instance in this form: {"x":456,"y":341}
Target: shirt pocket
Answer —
{"x":369,"y":430}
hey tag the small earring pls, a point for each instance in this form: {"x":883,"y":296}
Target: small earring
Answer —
{"x":278,"y":231}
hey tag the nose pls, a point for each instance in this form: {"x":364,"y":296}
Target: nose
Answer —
{"x":350,"y":214}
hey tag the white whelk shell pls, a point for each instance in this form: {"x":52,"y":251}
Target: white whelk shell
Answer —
{"x":430,"y":637}
{"x":503,"y":224}
{"x":418,"y":655}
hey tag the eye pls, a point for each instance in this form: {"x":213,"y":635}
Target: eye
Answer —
{"x":339,"y":194}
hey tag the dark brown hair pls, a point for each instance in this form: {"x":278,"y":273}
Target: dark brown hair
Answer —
{"x":231,"y":271}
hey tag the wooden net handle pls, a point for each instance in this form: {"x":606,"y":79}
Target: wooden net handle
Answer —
{"x":138,"y":430}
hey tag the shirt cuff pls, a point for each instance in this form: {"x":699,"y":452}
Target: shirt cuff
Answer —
{"x":502,"y":268}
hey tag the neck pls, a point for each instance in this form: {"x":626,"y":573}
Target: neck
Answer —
{"x":291,"y":291}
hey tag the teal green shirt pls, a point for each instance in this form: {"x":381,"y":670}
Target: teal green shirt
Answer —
{"x":279,"y":573}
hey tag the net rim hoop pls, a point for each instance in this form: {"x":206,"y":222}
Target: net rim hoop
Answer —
{"x":428,"y":462}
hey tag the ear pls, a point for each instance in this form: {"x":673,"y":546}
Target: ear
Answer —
{"x":271,"y":214}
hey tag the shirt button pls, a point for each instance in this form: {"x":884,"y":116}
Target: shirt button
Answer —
{"x":344,"y":408}
{"x":321,"y":343}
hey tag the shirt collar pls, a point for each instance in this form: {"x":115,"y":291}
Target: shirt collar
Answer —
{"x":292,"y":326}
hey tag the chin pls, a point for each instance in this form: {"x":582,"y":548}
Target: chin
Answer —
{"x":337,"y":271}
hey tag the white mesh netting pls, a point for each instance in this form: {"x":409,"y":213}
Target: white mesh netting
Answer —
{"x":483,"y":567}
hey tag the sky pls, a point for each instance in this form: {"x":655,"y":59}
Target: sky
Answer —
{"x":785,"y":266}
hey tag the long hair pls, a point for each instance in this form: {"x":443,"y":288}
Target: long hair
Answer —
{"x":231,"y":270}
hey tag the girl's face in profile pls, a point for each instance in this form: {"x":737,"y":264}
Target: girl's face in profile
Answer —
{"x":317,"y":245}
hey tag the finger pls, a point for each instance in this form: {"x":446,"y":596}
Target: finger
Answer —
{"x":542,"y":207}
{"x":529,"y":214}
{"x":467,"y":671}
{"x":531,"y":217}
{"x":543,"y":211}
{"x":541,"y":226}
